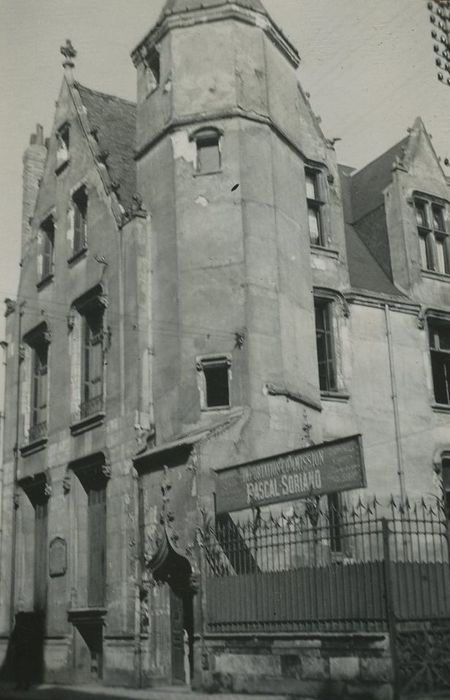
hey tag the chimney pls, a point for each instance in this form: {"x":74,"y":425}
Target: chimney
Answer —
{"x":33,"y":169}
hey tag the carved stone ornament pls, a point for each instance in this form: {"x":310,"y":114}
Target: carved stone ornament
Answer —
{"x":10,"y":306}
{"x":57,"y":560}
{"x":67,"y":482}
{"x":22,"y":352}
{"x":71,"y":316}
{"x":69,"y":53}
{"x":106,"y":470}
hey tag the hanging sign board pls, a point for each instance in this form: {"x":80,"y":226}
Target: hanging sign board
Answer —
{"x":327,"y":468}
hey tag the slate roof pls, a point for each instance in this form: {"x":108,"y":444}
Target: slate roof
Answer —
{"x":179,"y":6}
{"x":369,"y":182}
{"x":365,"y":272}
{"x":114,"y":120}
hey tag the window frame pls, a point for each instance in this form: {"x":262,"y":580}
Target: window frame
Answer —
{"x":316,"y":204}
{"x":47,"y":231}
{"x":63,"y":150}
{"x":207,"y":362}
{"x":38,"y":341}
{"x":206,"y":137}
{"x":80,"y":209}
{"x":439,"y":359}
{"x":326,"y":304}
{"x":431,"y":237}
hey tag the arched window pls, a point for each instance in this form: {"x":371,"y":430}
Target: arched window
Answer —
{"x":209,"y":156}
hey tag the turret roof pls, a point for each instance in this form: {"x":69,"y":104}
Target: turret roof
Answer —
{"x":179,"y":6}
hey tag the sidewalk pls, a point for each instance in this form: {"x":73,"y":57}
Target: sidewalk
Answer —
{"x":59,"y":692}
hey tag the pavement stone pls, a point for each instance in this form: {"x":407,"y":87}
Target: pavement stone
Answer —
{"x":59,"y":692}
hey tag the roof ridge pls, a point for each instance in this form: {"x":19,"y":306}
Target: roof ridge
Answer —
{"x":382,"y":155}
{"x":104,"y":94}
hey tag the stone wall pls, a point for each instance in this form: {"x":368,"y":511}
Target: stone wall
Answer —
{"x":327,"y":666}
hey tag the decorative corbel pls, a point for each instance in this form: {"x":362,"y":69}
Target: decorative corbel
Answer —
{"x":67,"y":482}
{"x":48,"y":489}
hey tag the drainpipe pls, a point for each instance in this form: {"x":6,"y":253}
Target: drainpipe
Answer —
{"x":16,"y":468}
{"x":394,"y":395}
{"x":4,"y":347}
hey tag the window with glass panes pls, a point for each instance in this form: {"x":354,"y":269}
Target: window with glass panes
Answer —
{"x":92,"y":359}
{"x":440,"y":359}
{"x":325,"y":345}
{"x":39,"y":389}
{"x":315,"y":203}
{"x":433,"y":237}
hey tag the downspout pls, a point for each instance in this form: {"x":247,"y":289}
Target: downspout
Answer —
{"x":394,"y":395}
{"x":16,"y":470}
{"x":4,"y":347}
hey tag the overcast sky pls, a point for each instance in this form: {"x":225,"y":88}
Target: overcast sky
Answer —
{"x":368,"y":65}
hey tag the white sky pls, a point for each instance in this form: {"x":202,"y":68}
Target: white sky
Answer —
{"x":368,"y":65}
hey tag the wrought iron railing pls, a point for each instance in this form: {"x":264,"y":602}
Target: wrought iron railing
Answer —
{"x":91,"y":407}
{"x":38,"y":431}
{"x":328,"y":570}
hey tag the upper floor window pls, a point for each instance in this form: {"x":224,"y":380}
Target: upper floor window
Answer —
{"x":38,"y":341}
{"x":62,"y":152}
{"x":315,"y":205}
{"x":325,"y":344}
{"x":433,"y":237}
{"x":209,"y":157}
{"x":152,"y":68}
{"x":440,"y":359}
{"x":92,"y":361}
{"x":47,"y":234}
{"x":215,"y":382}
{"x":80,"y":209}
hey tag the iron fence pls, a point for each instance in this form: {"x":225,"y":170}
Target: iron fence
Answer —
{"x":346,"y":569}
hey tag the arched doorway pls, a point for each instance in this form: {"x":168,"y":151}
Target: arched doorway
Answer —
{"x":172,"y":573}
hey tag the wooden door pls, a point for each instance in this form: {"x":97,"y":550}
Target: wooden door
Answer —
{"x":96,"y":546}
{"x":177,"y":638}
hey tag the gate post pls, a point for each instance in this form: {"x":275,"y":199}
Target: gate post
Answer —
{"x":389,"y":598}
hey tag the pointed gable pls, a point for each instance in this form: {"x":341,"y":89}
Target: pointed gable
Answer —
{"x":368,"y":184}
{"x":113,"y":121}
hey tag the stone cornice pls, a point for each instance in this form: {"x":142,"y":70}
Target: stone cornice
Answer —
{"x":224,"y":12}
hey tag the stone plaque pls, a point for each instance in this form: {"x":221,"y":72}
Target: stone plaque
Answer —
{"x":57,"y":560}
{"x":327,"y":468}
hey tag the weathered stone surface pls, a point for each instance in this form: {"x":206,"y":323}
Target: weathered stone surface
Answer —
{"x":344,"y":668}
{"x":376,"y":669}
{"x":315,"y":668}
{"x":249,"y":664}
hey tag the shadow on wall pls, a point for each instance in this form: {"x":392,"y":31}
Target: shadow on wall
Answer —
{"x":24,"y":660}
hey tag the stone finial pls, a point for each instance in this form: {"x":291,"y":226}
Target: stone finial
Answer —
{"x":69,"y":54}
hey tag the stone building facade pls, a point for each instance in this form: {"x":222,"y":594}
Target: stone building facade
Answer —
{"x":203,"y":286}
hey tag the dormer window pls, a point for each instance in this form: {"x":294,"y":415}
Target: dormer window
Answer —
{"x":209,"y":156}
{"x":315,"y":204}
{"x":47,"y":239}
{"x":152,"y":68}
{"x":62,"y":153}
{"x":433,"y":237}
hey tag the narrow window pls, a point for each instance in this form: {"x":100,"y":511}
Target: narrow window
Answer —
{"x":433,"y":237}
{"x":40,"y":552}
{"x":48,"y":247}
{"x":325,"y":346}
{"x":440,"y":360}
{"x":216,"y":382}
{"x":96,"y":493}
{"x":80,"y":207}
{"x":92,"y":363}
{"x":315,"y":204}
{"x":39,"y":391}
{"x":62,"y":153}
{"x":334,"y":519}
{"x":446,"y":486}
{"x":152,"y":67}
{"x":209,"y":159}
